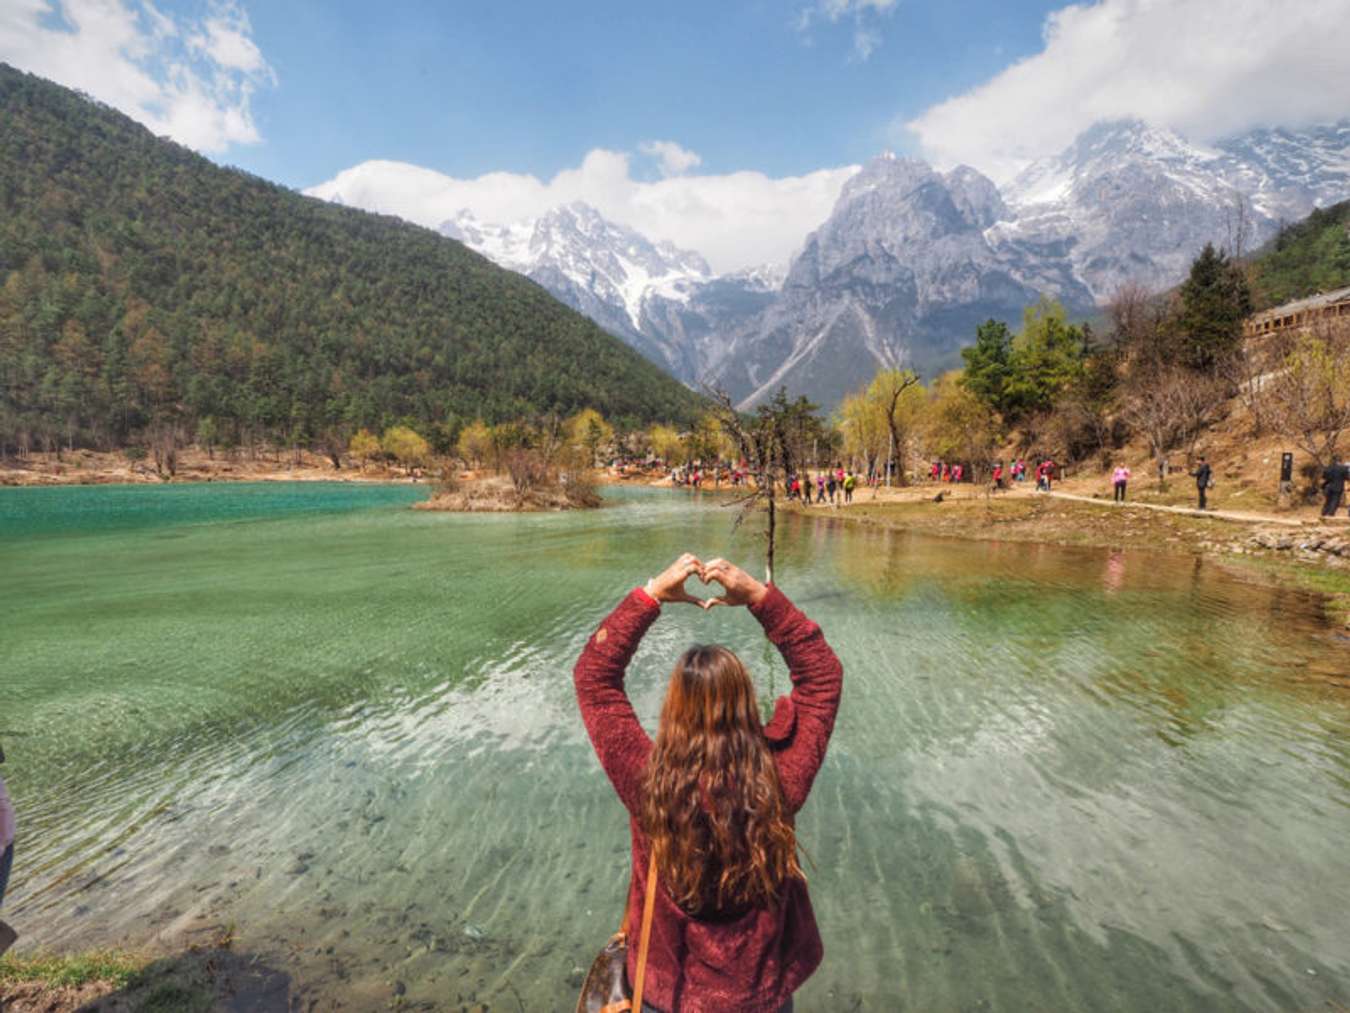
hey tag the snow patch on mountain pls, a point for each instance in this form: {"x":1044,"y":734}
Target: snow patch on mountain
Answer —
{"x":616,"y":263}
{"x":911,"y":259}
{"x":1135,"y":203}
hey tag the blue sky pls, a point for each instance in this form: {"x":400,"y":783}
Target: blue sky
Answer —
{"x":475,"y":87}
{"x":726,"y":127}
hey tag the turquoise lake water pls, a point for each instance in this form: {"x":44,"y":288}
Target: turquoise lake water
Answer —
{"x":1061,"y":778}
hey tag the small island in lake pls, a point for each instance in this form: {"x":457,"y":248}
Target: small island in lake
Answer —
{"x":522,"y":488}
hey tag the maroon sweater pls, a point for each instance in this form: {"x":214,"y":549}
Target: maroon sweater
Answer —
{"x":752,"y":961}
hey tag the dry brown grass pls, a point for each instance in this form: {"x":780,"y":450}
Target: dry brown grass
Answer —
{"x":89,"y":467}
{"x":499,"y":494}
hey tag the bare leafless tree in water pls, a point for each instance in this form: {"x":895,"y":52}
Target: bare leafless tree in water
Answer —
{"x":774,"y":442}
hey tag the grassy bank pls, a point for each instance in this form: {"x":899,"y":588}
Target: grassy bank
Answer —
{"x":194,"y":980}
{"x":1046,"y":520}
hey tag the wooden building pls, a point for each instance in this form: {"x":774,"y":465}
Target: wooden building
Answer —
{"x":1299,"y":313}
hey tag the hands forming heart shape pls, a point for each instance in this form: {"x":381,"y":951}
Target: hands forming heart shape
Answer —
{"x":738,"y":587}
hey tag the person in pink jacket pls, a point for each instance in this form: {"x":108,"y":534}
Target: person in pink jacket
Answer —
{"x":1118,"y":478}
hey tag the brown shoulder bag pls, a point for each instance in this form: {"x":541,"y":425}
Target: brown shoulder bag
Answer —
{"x":605,"y":989}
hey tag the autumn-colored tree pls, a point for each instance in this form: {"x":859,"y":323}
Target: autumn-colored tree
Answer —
{"x":707,"y":441}
{"x":364,"y":447}
{"x":507,"y":437}
{"x":588,"y":429}
{"x":405,"y":446}
{"x":899,"y":396}
{"x":959,"y":426}
{"x":666,"y":444}
{"x":475,"y":442}
{"x":860,"y":422}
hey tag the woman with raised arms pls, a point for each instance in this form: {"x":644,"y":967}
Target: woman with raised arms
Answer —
{"x":715,"y":796}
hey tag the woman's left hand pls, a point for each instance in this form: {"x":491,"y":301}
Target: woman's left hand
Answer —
{"x":669,"y":584}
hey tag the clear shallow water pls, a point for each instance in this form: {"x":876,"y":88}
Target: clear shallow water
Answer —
{"x":1061,"y":779}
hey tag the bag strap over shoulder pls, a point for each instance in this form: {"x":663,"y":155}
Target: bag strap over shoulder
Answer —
{"x":645,"y":937}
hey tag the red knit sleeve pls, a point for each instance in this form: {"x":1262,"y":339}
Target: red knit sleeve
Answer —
{"x":817,"y":682}
{"x":619,"y":739}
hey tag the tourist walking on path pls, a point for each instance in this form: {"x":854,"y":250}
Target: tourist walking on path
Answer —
{"x":1203,"y":481}
{"x":7,"y":830}
{"x":850,"y":483}
{"x":1334,"y":477}
{"x":1118,"y":478}
{"x":820,"y":488}
{"x":831,"y":486}
{"x":732,"y":925}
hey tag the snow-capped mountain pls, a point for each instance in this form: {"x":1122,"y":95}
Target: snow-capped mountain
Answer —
{"x":663,"y":300}
{"x":1136,"y":203}
{"x":900,"y":274}
{"x":1287,"y":173}
{"x":911,"y":259}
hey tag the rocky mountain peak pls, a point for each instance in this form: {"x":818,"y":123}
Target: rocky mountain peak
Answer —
{"x":911,"y":259}
{"x":893,"y":208}
{"x":976,"y":197}
{"x":888,"y":174}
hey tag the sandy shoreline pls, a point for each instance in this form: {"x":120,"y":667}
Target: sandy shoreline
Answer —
{"x":86,"y":467}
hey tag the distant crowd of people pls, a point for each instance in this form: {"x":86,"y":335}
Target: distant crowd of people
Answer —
{"x":1002,"y":474}
{"x":834,"y":486}
{"x":697,"y":476}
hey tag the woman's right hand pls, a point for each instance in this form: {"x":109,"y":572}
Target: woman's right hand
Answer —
{"x":739,"y":587}
{"x":668,"y":585}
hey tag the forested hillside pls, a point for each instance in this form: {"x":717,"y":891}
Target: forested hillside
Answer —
{"x":1307,"y":257}
{"x":143,"y":288}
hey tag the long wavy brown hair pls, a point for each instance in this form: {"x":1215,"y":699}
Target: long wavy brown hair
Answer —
{"x":712,"y":805}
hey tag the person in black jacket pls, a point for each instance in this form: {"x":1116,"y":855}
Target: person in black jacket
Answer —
{"x":1334,"y":476}
{"x":1202,"y":475}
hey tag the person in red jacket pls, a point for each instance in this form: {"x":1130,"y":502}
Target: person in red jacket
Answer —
{"x":733,"y":927}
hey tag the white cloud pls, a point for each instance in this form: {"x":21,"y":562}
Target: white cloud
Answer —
{"x":192,"y":79}
{"x":863,"y":14}
{"x":1205,"y":69}
{"x":836,"y":9}
{"x":736,"y":220}
{"x":225,"y":40}
{"x":672,"y":159}
{"x":865,"y":42}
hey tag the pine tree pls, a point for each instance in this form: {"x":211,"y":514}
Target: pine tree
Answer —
{"x":989,"y":365}
{"x":1214,"y":301}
